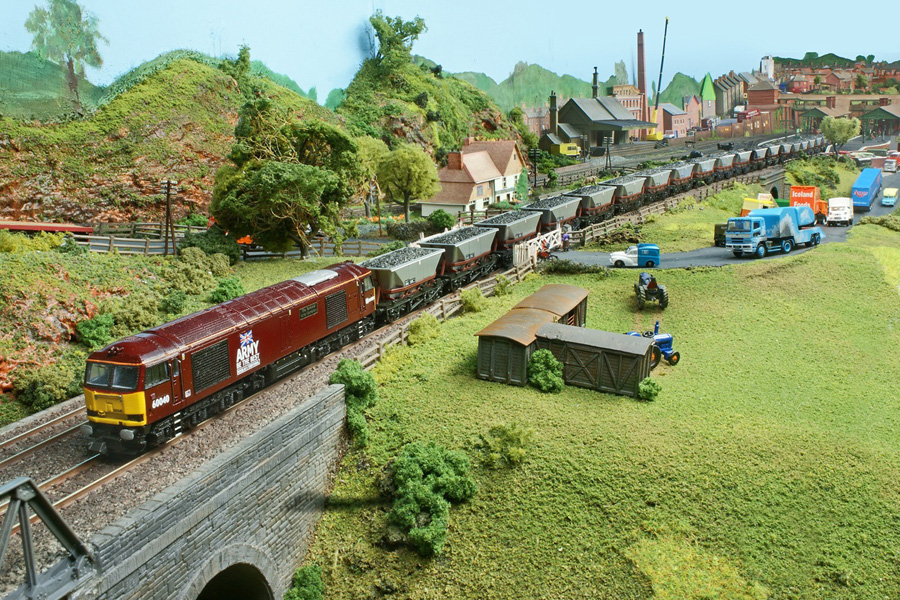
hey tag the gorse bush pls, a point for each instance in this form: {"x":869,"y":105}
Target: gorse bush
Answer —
{"x":95,"y":332}
{"x":360,"y":393}
{"x":568,"y":267}
{"x":472,"y":300}
{"x":213,"y":241}
{"x":649,"y":389}
{"x":306,"y":584}
{"x":424,"y":480}
{"x":227,"y":289}
{"x":41,"y":387}
{"x":505,"y":445}
{"x":545,"y":372}
{"x":425,"y":328}
{"x":20,"y":242}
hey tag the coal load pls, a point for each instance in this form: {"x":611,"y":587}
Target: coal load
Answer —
{"x":505,"y":218}
{"x":396,"y":258}
{"x":549,"y":202}
{"x":456,"y":236}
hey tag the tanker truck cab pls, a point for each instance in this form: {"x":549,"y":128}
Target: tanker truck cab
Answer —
{"x":744,"y":234}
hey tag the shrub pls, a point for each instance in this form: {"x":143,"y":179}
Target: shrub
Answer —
{"x":424,"y":480}
{"x":568,"y":267}
{"x":216,"y":264}
{"x":389,"y":247}
{"x":212,"y":241}
{"x":70,"y":246}
{"x":505,"y":445}
{"x":20,"y":242}
{"x":227,"y":289}
{"x":503,"y":286}
{"x":472,"y":300}
{"x":132,"y":314}
{"x":307,"y":584}
{"x":360,"y":392}
{"x":96,"y":332}
{"x":425,"y":328}
{"x":42,"y":387}
{"x":648,"y":389}
{"x":174,"y":302}
{"x":408,"y":231}
{"x":545,"y":372}
{"x":194,"y":220}
{"x":887,"y":221}
{"x":441,"y":220}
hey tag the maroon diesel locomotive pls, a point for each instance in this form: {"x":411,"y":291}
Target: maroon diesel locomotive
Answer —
{"x":145,"y":389}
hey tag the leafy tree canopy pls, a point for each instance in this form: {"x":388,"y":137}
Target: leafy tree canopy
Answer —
{"x":64,"y":35}
{"x":839,"y":131}
{"x":407,"y":174}
{"x":395,"y":37}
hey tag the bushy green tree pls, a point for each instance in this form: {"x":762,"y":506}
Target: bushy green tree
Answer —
{"x":212,"y":241}
{"x":648,"y":389}
{"x":239,"y":70}
{"x":407,"y":174}
{"x":67,"y":36}
{"x":395,"y":39}
{"x":307,"y":584}
{"x":545,"y":372}
{"x":360,"y":392}
{"x":839,"y":131}
{"x":441,"y":220}
{"x":95,"y":332}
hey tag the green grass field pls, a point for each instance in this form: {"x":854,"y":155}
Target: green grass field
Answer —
{"x":766,"y":468}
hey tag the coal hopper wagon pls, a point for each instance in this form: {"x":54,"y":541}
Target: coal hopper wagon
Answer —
{"x":467,"y":255}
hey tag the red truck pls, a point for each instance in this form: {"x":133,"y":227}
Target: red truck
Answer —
{"x":808,"y":195}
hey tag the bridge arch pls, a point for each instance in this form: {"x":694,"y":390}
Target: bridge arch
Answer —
{"x":238,"y":572}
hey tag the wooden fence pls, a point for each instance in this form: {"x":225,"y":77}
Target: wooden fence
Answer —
{"x":319,"y":247}
{"x":443,"y":309}
{"x":141,"y":230}
{"x":105,"y":244}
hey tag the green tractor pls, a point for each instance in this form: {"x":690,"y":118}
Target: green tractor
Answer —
{"x":646,"y":289}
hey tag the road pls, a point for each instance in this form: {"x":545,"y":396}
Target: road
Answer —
{"x":717,"y":257}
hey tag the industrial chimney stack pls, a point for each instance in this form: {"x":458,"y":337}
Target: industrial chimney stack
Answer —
{"x":554,"y":119}
{"x":642,"y":79}
{"x":595,"y":87}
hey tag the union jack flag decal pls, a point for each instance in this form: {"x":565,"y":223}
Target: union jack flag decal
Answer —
{"x":247,"y":338}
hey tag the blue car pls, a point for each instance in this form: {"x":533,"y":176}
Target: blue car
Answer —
{"x":641,"y":255}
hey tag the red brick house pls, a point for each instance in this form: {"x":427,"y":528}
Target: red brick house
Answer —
{"x":481,"y":173}
{"x":692,"y":109}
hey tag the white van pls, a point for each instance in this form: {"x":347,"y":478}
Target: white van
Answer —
{"x":890,"y":165}
{"x":840,"y":210}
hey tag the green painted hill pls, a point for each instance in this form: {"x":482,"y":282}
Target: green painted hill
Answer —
{"x":34,"y":88}
{"x":681,"y":85}
{"x":172,"y":117}
{"x":410,"y":102}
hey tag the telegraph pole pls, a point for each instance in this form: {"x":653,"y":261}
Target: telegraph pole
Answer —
{"x":535,"y":155}
{"x":167,"y":187}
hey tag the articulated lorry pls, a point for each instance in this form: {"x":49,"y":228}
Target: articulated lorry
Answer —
{"x":771,"y":229}
{"x":865,"y":188}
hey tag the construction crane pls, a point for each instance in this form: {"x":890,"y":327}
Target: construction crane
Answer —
{"x":658,"y":135}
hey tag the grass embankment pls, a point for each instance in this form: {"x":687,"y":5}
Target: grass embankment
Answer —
{"x":43,"y":295}
{"x":767,"y":468}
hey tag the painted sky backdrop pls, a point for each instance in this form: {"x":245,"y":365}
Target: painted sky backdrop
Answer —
{"x":319,"y":43}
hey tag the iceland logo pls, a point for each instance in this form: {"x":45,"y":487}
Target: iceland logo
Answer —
{"x":247,"y":354}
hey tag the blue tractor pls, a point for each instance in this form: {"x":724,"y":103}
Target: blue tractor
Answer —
{"x":662,"y":346}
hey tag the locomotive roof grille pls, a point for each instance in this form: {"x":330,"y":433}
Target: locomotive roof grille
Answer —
{"x":316,"y":277}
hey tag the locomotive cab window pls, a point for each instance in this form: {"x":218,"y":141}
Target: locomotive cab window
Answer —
{"x":368,"y":284}
{"x":111,"y":377}
{"x":156,"y":374}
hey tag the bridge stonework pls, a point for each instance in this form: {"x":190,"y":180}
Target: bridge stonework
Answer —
{"x":251,"y":510}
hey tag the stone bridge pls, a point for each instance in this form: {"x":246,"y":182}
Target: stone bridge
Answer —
{"x":237,"y":528}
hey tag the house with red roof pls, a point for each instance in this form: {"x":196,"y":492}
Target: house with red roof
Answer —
{"x":480,"y":173}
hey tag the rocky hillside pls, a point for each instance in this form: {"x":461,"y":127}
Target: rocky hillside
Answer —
{"x":171,"y":118}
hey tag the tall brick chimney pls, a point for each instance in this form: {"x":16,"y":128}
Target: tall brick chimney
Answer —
{"x":554,"y":117}
{"x":830,"y":101}
{"x":454,"y":160}
{"x":641,"y":75}
{"x":595,"y":87}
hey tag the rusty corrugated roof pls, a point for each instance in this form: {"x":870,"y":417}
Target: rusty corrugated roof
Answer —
{"x":557,"y":298}
{"x":518,"y":325}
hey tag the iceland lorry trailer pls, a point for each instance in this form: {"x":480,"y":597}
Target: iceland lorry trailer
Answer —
{"x":772,"y":229}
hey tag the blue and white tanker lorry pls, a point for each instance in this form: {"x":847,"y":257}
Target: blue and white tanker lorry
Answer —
{"x":772,"y":229}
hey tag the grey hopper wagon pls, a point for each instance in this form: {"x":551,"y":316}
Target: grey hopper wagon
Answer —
{"x":706,"y":169}
{"x":406,"y":280}
{"x":656,"y":182}
{"x":683,"y":175}
{"x":558,"y":210}
{"x":596,"y":202}
{"x":760,"y":157}
{"x":774,"y":155}
{"x":742,"y":161}
{"x":466,"y":254}
{"x":724,"y":164}
{"x":629,"y":192}
{"x":512,"y":227}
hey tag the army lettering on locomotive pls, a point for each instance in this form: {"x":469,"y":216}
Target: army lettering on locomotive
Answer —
{"x":248,"y":353}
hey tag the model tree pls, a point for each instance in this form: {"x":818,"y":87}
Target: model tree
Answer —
{"x":288,"y":180}
{"x":839,"y":131}
{"x":65,"y":35}
{"x":861,"y":82}
{"x":407,"y":174}
{"x":395,"y":39}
